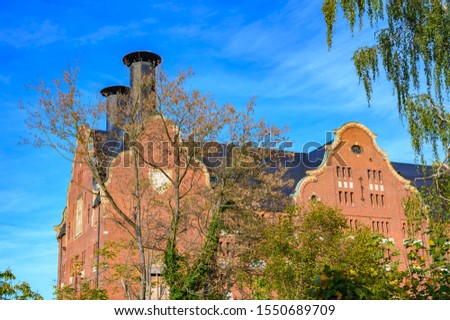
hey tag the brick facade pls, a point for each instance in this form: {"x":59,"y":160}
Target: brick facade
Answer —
{"x":355,"y":175}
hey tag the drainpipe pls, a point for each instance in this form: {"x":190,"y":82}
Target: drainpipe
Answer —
{"x":97,"y":258}
{"x":60,"y":262}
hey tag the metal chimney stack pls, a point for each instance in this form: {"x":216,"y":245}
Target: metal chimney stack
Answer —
{"x":116,"y":100}
{"x":142,"y":65}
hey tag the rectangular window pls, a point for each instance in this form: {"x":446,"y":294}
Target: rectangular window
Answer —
{"x":338,"y":171}
{"x":351,"y":199}
{"x":371,"y":199}
{"x":378,"y":204}
{"x":343,"y":172}
{"x":382,"y":200}
{"x":368,"y":174}
{"x":382,"y":227}
{"x":351,"y":224}
{"x":373,"y":226}
{"x":346,"y":200}
{"x":379,"y":176}
{"x":374,"y":175}
{"x":349,"y":171}
{"x":340,"y":197}
{"x":387,"y":228}
{"x":79,"y":217}
{"x":378,"y":225}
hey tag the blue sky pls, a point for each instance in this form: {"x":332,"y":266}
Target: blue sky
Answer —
{"x":273,"y":50}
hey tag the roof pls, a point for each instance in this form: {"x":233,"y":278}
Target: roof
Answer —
{"x":302,"y":162}
{"x":297,"y":164}
{"x":417,"y":174}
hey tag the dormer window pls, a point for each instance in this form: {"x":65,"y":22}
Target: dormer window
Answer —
{"x":356,"y":149}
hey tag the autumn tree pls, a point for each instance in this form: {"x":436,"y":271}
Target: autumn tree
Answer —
{"x":10,"y":289}
{"x":150,"y":168}
{"x":239,"y":182}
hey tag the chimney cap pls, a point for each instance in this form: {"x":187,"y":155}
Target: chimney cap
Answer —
{"x":112,"y":90}
{"x":145,"y":56}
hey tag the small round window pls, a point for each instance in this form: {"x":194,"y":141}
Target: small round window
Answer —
{"x":356,"y":149}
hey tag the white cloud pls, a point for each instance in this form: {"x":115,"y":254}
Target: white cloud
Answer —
{"x":32,"y":35}
{"x":190,"y":9}
{"x":129,"y":30}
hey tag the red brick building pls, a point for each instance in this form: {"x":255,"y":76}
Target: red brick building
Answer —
{"x":356,"y":175}
{"x":352,"y":173}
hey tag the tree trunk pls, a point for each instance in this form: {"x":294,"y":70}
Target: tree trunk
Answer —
{"x":138,"y":228}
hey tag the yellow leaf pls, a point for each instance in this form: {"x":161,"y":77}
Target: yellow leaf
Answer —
{"x":323,"y":277}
